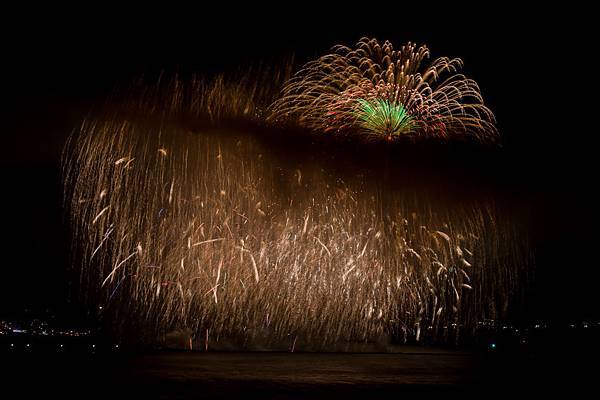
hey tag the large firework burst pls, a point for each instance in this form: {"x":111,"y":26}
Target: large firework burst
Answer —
{"x":376,"y":90}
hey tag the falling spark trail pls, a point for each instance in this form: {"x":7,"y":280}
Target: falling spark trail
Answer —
{"x":100,"y":214}
{"x":207,"y":241}
{"x":101,"y":243}
{"x":116,"y":268}
{"x":324,"y":247}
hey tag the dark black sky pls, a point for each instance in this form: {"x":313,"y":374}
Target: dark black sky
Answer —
{"x":532,"y":64}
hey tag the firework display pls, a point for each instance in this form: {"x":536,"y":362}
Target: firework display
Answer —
{"x":375,"y":90}
{"x":206,"y":230}
{"x":203,"y":232}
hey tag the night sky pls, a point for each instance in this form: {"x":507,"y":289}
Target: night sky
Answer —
{"x":532,"y":74}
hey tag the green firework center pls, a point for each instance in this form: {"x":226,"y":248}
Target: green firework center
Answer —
{"x":382,"y":117}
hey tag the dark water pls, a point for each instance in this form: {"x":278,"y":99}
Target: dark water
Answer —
{"x":185,"y":375}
